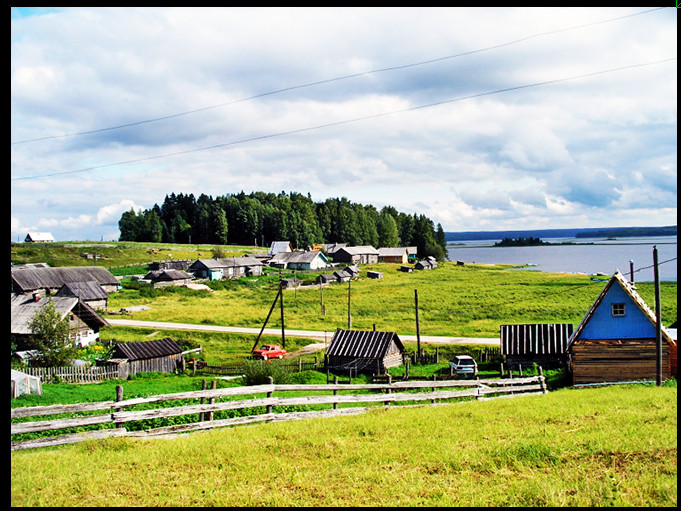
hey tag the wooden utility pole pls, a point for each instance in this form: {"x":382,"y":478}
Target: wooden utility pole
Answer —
{"x":658,"y":322}
{"x":349,"y":315}
{"x":268,"y":318}
{"x":418,"y":329}
{"x":631,"y":271}
{"x":281,"y":306}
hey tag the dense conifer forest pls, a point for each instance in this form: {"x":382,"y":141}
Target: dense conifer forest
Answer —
{"x":260,"y":218}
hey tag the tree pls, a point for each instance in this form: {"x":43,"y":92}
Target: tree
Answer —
{"x":388,"y":235}
{"x":51,"y":337}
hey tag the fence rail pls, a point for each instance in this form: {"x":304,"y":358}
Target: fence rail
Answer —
{"x":378,"y":394}
{"x":73,"y":374}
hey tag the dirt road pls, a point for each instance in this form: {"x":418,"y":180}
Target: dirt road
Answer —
{"x":310,"y":334}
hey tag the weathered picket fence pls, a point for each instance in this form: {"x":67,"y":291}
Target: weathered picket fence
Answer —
{"x":117,"y":416}
{"x":74,"y":374}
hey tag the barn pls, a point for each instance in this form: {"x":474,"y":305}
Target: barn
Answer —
{"x":50,"y":280}
{"x":616,"y":339}
{"x":163,"y":355}
{"x":364,"y":351}
{"x":161,"y":278}
{"x":356,"y":255}
{"x":544,"y":344}
{"x":90,"y":293}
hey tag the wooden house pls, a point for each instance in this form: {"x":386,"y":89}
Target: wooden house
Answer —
{"x":39,"y":237}
{"x":356,"y":255}
{"x":90,"y":293}
{"x":160,"y":278}
{"x":393,"y":255}
{"x":278,"y":247}
{"x":83,"y":321}
{"x":364,"y":351}
{"x":616,"y":339}
{"x":326,"y":278}
{"x":163,"y":355}
{"x":543,"y":344}
{"x":225,"y":268}
{"x":50,"y":280}
{"x":310,"y":260}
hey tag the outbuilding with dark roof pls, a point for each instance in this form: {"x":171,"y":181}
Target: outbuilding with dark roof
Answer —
{"x":364,"y":351}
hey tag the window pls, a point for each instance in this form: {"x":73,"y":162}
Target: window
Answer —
{"x":618,"y":309}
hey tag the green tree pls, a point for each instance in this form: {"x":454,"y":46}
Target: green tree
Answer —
{"x":51,"y":337}
{"x":388,"y":235}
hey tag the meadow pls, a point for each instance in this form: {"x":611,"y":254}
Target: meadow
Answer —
{"x":613,"y":446}
{"x":460,"y":301}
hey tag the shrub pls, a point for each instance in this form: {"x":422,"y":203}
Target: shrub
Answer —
{"x":257,"y":372}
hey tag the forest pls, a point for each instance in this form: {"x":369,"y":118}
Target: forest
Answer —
{"x":260,"y":218}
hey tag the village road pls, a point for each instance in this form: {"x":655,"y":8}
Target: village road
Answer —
{"x":310,"y":334}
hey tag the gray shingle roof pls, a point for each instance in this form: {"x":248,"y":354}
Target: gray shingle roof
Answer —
{"x":362,"y":344}
{"x":30,"y":279}
{"x":147,"y":349}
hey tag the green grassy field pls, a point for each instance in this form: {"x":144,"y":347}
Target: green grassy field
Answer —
{"x":469,"y":301}
{"x":611,"y":446}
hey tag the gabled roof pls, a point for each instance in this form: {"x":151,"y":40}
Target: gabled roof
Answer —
{"x":618,"y":280}
{"x":227,"y":262}
{"x":30,"y":279}
{"x":23,"y":308}
{"x":362,"y":344}
{"x":146,"y":349}
{"x":392,"y":251}
{"x":89,"y":290}
{"x":280,"y":246}
{"x":167,"y":275}
{"x":39,"y":236}
{"x":298,"y":257}
{"x":359,"y":250}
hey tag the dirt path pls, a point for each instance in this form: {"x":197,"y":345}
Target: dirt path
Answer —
{"x":322,"y":338}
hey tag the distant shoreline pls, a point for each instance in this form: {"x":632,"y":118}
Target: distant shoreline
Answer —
{"x":615,"y":232}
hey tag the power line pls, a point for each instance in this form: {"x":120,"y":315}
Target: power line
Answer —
{"x":330,"y":80}
{"x":346,"y":121}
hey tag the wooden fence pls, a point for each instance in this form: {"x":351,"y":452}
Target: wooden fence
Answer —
{"x":73,"y":374}
{"x":236,"y":369}
{"x":384,"y":394}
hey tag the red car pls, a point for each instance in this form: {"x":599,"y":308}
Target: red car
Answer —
{"x":267,"y":351}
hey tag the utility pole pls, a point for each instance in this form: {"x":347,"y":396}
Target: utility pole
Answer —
{"x":349,"y":315}
{"x":658,"y":322}
{"x":281,"y":306}
{"x":418,"y":329}
{"x":631,"y":271}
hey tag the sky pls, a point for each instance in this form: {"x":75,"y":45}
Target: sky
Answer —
{"x":482,"y":119}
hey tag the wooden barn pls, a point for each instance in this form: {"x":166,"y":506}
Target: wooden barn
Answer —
{"x":393,"y":255}
{"x":163,"y":355}
{"x":90,"y":293}
{"x":364,"y":351}
{"x":543,"y":344}
{"x":616,"y":339}
{"x":160,"y":278}
{"x":356,"y":255}
{"x":229,"y":267}
{"x":50,"y":280}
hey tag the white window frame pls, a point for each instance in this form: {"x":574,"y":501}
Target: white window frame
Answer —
{"x":618,"y":310}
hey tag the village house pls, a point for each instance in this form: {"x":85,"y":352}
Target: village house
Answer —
{"x":364,"y":351}
{"x":50,"y":280}
{"x":230,"y":267}
{"x":90,"y":293}
{"x":356,"y":255}
{"x":278,"y":247}
{"x":160,"y":278}
{"x":39,"y":237}
{"x":393,"y":255}
{"x":426,"y":264}
{"x":310,"y":260}
{"x":83,"y":321}
{"x":616,"y":339}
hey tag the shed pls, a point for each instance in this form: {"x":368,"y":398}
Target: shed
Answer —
{"x":375,"y":274}
{"x":616,"y":339}
{"x":39,"y":237}
{"x":364,"y":351}
{"x":327,"y":278}
{"x":23,"y":383}
{"x":426,"y":264}
{"x":310,"y":260}
{"x":163,"y":355}
{"x":545,"y":344}
{"x":229,"y":267}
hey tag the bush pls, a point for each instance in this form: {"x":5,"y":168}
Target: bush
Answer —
{"x":257,"y":372}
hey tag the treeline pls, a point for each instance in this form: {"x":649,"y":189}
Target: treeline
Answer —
{"x":260,"y":218}
{"x":520,"y":242}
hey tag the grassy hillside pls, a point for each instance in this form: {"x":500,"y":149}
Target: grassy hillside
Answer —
{"x":611,"y":446}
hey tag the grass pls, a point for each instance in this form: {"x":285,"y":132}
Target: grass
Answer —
{"x":469,"y":301}
{"x":613,"y":446}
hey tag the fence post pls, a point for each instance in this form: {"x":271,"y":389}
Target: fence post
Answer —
{"x":335,"y":391}
{"x":213,"y":386}
{"x":203,"y":399}
{"x":270,"y":380}
{"x":300,"y":365}
{"x":388,"y":391}
{"x":119,"y":397}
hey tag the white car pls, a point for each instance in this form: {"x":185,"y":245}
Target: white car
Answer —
{"x":464,"y":366}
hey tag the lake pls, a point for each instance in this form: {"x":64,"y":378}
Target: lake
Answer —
{"x":587,"y":255}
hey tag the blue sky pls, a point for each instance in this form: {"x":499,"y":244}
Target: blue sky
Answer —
{"x":514,"y":118}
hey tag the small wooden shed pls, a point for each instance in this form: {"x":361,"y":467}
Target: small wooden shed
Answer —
{"x":544,"y":344}
{"x":616,"y":339}
{"x":163,"y":355}
{"x":364,"y":351}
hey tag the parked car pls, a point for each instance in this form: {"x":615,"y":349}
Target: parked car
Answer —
{"x":464,"y":366}
{"x":267,"y":351}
